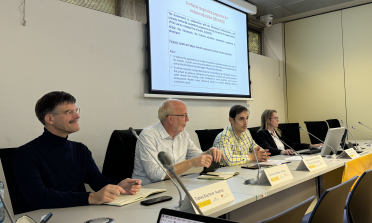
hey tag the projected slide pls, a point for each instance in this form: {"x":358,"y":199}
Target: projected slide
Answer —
{"x":198,"y":47}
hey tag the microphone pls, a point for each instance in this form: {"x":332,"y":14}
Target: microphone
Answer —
{"x":334,"y":151}
{"x":254,"y":180}
{"x":6,"y":208}
{"x":167,"y":163}
{"x":135,"y":134}
{"x":356,"y":144}
{"x":368,"y":144}
{"x":365,"y":125}
{"x":286,"y":145}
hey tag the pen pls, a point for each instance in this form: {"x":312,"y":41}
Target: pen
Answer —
{"x":46,"y":218}
{"x":130,"y":185}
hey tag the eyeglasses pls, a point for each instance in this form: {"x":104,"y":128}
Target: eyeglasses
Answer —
{"x":276,"y":118}
{"x":69,"y":112}
{"x":184,"y":116}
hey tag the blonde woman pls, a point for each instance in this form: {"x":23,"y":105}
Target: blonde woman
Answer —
{"x":268,"y":136}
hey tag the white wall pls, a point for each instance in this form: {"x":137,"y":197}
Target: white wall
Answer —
{"x":100,"y":59}
{"x":273,"y":43}
{"x":326,"y":54}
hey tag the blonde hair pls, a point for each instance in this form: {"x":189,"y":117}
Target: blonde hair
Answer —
{"x":266,"y":115}
{"x":166,"y":109}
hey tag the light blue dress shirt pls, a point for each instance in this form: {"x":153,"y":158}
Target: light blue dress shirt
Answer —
{"x":157,"y":139}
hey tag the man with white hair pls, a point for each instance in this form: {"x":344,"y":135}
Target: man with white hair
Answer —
{"x":169,"y":136}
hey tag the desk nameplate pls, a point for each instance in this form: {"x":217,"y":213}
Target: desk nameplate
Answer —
{"x":275,"y":175}
{"x":349,"y":153}
{"x":312,"y":163}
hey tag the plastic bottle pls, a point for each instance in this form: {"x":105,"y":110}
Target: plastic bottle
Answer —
{"x":2,"y":211}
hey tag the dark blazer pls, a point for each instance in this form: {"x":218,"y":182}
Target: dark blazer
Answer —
{"x":266,"y":141}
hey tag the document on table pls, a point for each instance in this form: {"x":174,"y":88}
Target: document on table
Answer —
{"x":294,"y":158}
{"x":273,"y":162}
{"x":127,"y":199}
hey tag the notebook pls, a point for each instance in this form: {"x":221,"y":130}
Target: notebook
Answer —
{"x":141,"y":195}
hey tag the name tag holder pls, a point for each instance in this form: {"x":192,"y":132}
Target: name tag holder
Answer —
{"x":208,"y":197}
{"x":275,"y":175}
{"x":349,"y":153}
{"x":312,"y":163}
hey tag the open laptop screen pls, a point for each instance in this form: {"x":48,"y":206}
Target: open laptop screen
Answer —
{"x":173,"y":216}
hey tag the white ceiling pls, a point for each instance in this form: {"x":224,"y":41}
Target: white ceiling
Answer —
{"x":285,"y":10}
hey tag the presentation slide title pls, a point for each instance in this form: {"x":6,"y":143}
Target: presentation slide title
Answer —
{"x":216,"y":17}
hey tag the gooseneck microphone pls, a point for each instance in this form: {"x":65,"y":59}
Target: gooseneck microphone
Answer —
{"x":356,"y":144}
{"x":167,"y":163}
{"x":135,"y":134}
{"x":362,"y":134}
{"x":365,"y":125}
{"x":334,"y":151}
{"x":254,"y":180}
{"x":6,"y":208}
{"x":286,"y":145}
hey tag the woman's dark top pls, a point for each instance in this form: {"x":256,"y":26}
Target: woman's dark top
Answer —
{"x":266,"y":141}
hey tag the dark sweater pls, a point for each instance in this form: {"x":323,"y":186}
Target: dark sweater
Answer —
{"x":50,"y":172}
{"x":266,"y":141}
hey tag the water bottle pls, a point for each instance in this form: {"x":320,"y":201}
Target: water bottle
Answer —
{"x":2,"y":211}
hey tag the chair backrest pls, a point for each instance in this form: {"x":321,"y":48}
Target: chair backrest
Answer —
{"x":359,"y":204}
{"x":119,"y":159}
{"x":206,"y":137}
{"x":330,"y":206}
{"x":6,"y":156}
{"x":333,"y":123}
{"x":293,"y":215}
{"x":317,"y":128}
{"x":253,"y":132}
{"x":291,"y":131}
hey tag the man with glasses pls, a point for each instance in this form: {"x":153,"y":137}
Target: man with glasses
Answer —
{"x":236,"y":141}
{"x":50,"y":171}
{"x":169,"y":136}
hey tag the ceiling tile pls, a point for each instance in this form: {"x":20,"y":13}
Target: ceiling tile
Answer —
{"x":305,"y":6}
{"x":278,"y":12}
{"x":263,"y":5}
{"x":335,"y":2}
{"x":283,"y":2}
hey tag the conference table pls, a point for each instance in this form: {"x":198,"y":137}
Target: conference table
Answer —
{"x":252,"y":202}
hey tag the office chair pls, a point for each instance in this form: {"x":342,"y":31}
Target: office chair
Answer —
{"x":253,"y":132}
{"x":293,"y":215}
{"x":359,"y":202}
{"x":333,"y":123}
{"x":206,"y":137}
{"x":291,"y":131}
{"x":6,"y":156}
{"x":119,"y":158}
{"x":330,"y":206}
{"x":317,"y":128}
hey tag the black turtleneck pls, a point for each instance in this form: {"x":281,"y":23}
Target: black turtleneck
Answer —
{"x":50,"y":172}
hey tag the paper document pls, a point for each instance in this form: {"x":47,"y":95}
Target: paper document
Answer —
{"x":273,"y":162}
{"x":294,"y":158}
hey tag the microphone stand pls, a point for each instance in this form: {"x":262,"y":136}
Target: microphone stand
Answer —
{"x":286,"y":145}
{"x":334,"y":151}
{"x":368,"y":144}
{"x":167,"y":163}
{"x":7,"y":210}
{"x":135,"y":134}
{"x":356,"y":144}
{"x":255,"y":179}
{"x":365,"y":126}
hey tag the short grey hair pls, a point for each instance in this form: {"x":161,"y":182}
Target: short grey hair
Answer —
{"x":165,"y":109}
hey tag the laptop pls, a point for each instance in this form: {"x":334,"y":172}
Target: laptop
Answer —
{"x":174,"y":216}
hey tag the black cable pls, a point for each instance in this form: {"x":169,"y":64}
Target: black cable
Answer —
{"x":343,"y":63}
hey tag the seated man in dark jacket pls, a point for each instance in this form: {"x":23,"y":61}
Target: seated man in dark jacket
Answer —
{"x":270,"y":137}
{"x":50,"y":171}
